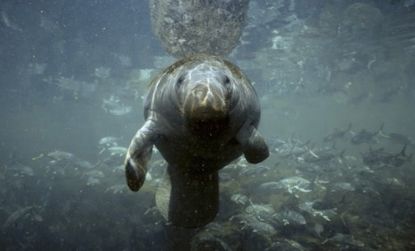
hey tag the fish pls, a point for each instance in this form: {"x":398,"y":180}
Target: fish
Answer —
{"x":326,"y":214}
{"x":108,"y":141}
{"x":338,"y":134}
{"x":60,"y":155}
{"x":346,"y":186}
{"x":323,"y":155}
{"x":290,"y":217}
{"x":291,"y":184}
{"x":380,"y":158}
{"x":116,"y":189}
{"x":249,"y":221}
{"x":213,"y":237}
{"x":16,"y":215}
{"x":9,"y":23}
{"x":117,"y":150}
{"x":397,"y":138}
{"x":72,"y":86}
{"x":240,"y":199}
{"x":347,"y":240}
{"x":292,"y":149}
{"x":102,"y":72}
{"x":262,"y":212}
{"x":365,"y":136}
{"x":251,"y":171}
{"x":20,"y":169}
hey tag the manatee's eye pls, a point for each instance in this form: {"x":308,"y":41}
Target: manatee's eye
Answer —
{"x":180,"y":81}
{"x":228,"y":87}
{"x":226,"y":81}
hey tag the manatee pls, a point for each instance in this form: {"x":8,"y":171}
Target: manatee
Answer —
{"x":201,"y":113}
{"x":199,"y":26}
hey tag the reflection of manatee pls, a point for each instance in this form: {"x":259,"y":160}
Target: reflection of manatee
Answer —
{"x":201,"y":113}
{"x":198,"y":26}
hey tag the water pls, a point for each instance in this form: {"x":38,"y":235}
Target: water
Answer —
{"x":72,"y":73}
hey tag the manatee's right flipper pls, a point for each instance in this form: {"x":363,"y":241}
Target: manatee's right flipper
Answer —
{"x":194,"y":198}
{"x":253,"y":144}
{"x":138,"y":154}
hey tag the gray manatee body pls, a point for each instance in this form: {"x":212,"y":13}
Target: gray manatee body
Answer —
{"x":201,"y":113}
{"x":187,"y":27}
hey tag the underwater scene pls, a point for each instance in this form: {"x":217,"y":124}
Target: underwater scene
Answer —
{"x":249,"y":125}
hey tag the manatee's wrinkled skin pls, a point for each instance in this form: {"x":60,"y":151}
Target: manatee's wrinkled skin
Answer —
{"x":201,"y":113}
{"x":198,"y":26}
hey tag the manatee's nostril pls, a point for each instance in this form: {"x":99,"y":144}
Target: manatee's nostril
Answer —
{"x":200,"y":92}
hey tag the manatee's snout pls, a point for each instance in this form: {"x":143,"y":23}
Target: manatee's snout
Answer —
{"x":204,"y":102}
{"x":207,"y":98}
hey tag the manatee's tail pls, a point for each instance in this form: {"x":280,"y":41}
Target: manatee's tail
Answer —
{"x":194,"y":198}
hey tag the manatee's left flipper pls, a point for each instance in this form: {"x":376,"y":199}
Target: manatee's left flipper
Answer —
{"x":138,"y":155}
{"x":253,"y":144}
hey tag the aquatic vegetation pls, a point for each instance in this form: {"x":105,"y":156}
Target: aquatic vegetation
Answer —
{"x":114,"y":106}
{"x":102,"y":72}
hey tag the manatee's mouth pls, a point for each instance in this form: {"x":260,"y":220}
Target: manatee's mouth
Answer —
{"x":205,"y":121}
{"x":205,"y":114}
{"x":208,"y":127}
